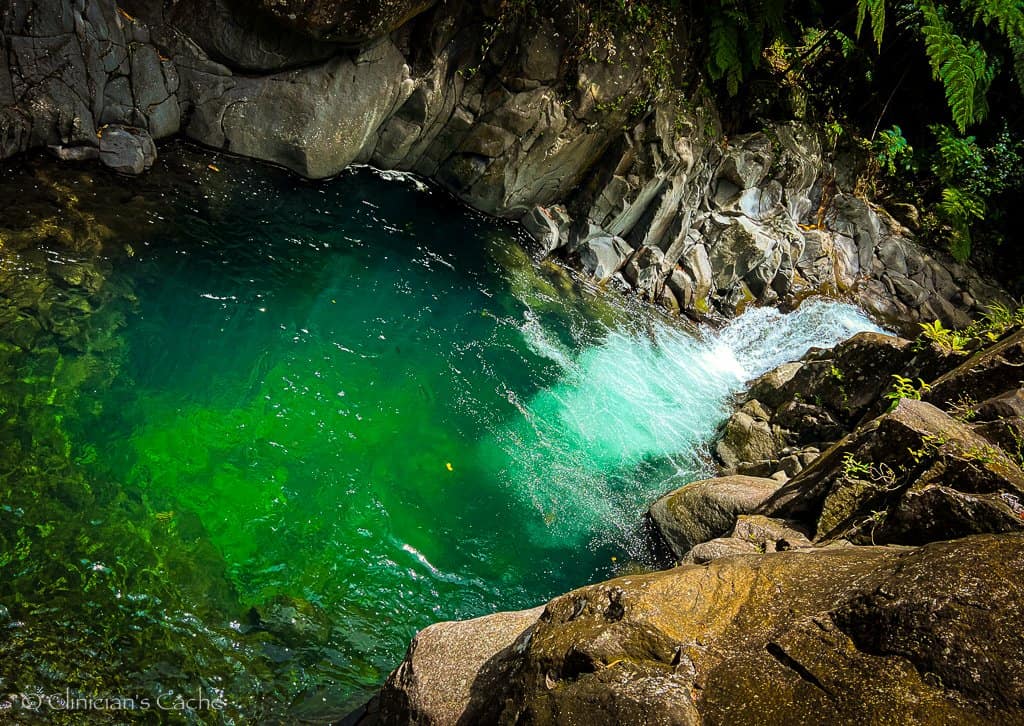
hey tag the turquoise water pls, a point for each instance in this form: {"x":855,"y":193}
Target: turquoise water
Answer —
{"x":374,"y":401}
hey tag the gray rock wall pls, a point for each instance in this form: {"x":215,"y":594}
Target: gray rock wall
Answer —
{"x":515,"y":123}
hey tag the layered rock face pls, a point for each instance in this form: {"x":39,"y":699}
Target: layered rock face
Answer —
{"x":510,"y":117}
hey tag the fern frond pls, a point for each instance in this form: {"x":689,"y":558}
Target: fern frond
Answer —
{"x":960,"y":206}
{"x":876,"y":10}
{"x":1005,"y":15}
{"x":961,"y":65}
{"x":726,"y":57}
{"x":1017,"y":49}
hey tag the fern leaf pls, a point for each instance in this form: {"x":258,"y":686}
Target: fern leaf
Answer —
{"x":962,"y":67}
{"x":1005,"y":15}
{"x":876,"y":10}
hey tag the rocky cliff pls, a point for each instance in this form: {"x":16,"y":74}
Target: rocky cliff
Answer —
{"x":510,"y":116}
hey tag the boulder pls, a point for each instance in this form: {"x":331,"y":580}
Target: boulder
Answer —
{"x":769,"y":389}
{"x":988,"y":373}
{"x":547,"y":225}
{"x":850,"y":378}
{"x":602,"y":257}
{"x":846,"y":635}
{"x":719,"y":547}
{"x":646,"y":271}
{"x":744,"y":252}
{"x":1009,"y":404}
{"x":707,"y":509}
{"x":127,"y":149}
{"x":316,"y":120}
{"x":748,"y":161}
{"x":471,"y":651}
{"x":769,"y":535}
{"x":747,"y":436}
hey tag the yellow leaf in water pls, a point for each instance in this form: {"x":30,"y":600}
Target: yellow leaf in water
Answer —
{"x":212,"y":167}
{"x":448,"y":466}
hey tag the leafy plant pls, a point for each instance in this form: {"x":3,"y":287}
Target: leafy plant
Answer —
{"x":961,"y":65}
{"x":738,"y":31}
{"x":997,"y":320}
{"x":971,"y":174}
{"x":905,"y":388}
{"x":948,"y":340}
{"x":958,"y":61}
{"x":853,"y":468}
{"x":892,"y":151}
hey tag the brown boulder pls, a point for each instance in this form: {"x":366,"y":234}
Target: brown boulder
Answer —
{"x":985,"y":374}
{"x":707,"y":509}
{"x":419,"y":692}
{"x":748,"y":436}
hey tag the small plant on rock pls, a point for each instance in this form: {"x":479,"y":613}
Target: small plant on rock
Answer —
{"x":854,"y":468}
{"x":905,"y":388}
{"x":951,"y":341}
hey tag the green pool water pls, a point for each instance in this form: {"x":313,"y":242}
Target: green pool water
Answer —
{"x":373,"y":404}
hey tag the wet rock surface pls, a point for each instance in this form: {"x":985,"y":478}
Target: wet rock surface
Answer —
{"x":840,"y":635}
{"x":704,"y":510}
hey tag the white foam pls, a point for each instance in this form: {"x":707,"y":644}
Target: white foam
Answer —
{"x":593,"y":449}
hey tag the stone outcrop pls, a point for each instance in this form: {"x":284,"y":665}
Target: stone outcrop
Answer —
{"x":893,"y":469}
{"x":507,"y":116}
{"x":792,"y":413}
{"x":913,"y":475}
{"x":855,"y":635}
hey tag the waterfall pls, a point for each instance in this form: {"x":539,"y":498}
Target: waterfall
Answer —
{"x":637,"y":411}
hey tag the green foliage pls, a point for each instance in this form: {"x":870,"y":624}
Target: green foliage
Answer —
{"x":970,"y":175}
{"x":905,"y":388}
{"x":951,"y":341}
{"x":960,"y":208}
{"x":997,"y":321}
{"x":853,"y":468}
{"x":958,"y":61}
{"x":738,"y":31}
{"x":961,"y":65}
{"x":893,"y":152}
{"x":876,"y":9}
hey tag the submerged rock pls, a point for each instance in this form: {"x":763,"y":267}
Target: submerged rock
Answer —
{"x":861,"y":634}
